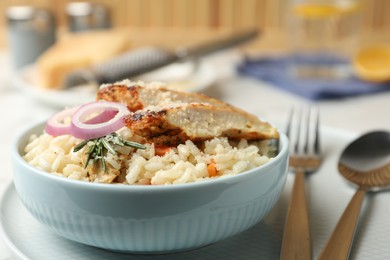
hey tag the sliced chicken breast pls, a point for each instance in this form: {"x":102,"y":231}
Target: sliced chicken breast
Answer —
{"x":138,"y":95}
{"x":198,"y":122}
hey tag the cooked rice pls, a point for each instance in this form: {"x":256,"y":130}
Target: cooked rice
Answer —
{"x":182,"y":164}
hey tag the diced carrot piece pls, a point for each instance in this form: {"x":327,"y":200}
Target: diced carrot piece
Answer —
{"x":161,"y":150}
{"x":212,"y":169}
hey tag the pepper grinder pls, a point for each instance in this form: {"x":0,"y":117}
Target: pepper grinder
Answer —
{"x":83,"y":16}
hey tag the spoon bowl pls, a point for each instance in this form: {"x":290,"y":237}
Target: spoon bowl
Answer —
{"x":365,"y":162}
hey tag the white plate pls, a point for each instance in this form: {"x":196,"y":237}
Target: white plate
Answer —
{"x":328,"y":196}
{"x":185,"y":76}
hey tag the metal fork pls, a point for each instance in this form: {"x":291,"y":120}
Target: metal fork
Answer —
{"x":305,"y":157}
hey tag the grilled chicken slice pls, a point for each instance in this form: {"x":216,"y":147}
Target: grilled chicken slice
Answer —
{"x":138,"y":95}
{"x":197,"y":122}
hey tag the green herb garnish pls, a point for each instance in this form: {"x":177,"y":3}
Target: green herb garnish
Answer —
{"x":99,"y":147}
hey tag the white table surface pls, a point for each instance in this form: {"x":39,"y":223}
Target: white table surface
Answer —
{"x":358,"y":114}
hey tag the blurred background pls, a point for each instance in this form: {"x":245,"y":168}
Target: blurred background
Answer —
{"x":186,"y":21}
{"x":42,"y":42}
{"x":332,"y":45}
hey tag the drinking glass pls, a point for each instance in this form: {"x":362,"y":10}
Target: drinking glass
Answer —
{"x":323,"y":35}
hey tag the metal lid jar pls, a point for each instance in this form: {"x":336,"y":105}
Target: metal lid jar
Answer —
{"x":31,"y":30}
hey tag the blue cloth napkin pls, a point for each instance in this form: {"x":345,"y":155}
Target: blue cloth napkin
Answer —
{"x":275,"y":71}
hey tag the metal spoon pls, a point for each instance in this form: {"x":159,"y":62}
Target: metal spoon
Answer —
{"x":365,"y":162}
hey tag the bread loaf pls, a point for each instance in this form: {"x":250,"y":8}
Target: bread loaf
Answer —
{"x":77,"y":51}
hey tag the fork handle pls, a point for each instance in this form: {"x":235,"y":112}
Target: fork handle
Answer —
{"x":296,"y":237}
{"x":339,"y":244}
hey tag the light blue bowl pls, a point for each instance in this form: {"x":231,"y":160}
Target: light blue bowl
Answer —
{"x":148,"y":219}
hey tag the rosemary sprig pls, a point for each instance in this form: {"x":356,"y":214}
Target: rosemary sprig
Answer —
{"x":99,"y":147}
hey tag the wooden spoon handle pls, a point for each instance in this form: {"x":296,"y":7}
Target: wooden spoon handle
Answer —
{"x":296,"y":237}
{"x":339,"y":244}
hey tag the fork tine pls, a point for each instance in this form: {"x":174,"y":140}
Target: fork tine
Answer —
{"x":310,"y":122}
{"x":307,"y":137}
{"x":296,"y":149}
{"x":289,"y":122}
{"x":317,"y":148}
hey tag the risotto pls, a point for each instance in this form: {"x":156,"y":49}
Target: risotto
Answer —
{"x":143,"y":134}
{"x":184,"y":163}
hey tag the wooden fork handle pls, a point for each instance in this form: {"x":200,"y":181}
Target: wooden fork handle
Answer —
{"x":296,"y":237}
{"x":339,"y":244}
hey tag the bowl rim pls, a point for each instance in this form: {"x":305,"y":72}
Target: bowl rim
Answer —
{"x":17,"y":158}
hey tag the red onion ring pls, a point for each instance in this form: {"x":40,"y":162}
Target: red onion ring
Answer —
{"x":55,"y":126}
{"x":84,"y":130}
{"x":102,"y":117}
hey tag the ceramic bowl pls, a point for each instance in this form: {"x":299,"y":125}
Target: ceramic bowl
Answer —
{"x":148,"y":219}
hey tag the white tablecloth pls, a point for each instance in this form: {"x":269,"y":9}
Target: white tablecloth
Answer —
{"x":358,"y":114}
